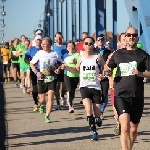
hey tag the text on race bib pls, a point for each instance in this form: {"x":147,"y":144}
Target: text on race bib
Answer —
{"x":48,"y":79}
{"x":126,"y":68}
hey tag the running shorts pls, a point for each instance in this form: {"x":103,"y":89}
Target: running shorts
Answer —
{"x":45,"y":87}
{"x":91,"y":93}
{"x":131,"y":105}
{"x":24,"y":69}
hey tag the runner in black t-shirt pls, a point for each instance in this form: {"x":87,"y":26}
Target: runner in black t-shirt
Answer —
{"x":131,"y":64}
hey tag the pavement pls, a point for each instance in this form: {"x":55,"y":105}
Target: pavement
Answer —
{"x":23,"y":129}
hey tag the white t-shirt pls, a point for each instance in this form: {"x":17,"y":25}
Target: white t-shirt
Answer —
{"x":45,"y":59}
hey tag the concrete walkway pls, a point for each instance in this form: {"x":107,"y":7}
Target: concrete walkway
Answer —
{"x":23,"y":129}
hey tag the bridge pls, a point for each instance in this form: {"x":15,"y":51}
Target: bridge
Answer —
{"x":67,"y":16}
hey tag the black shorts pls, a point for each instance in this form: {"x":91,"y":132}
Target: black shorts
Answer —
{"x":16,"y":65}
{"x":131,"y":105}
{"x":33,"y":78}
{"x":93,"y":94}
{"x":6,"y":67}
{"x":45,"y":87}
{"x":60,"y":77}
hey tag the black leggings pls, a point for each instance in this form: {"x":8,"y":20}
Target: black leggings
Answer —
{"x":71,"y":85}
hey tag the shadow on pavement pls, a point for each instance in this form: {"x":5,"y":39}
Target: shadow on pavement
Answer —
{"x":63,"y":131}
{"x":3,"y":128}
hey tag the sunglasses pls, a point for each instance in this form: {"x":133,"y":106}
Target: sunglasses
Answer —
{"x":134,"y":35}
{"x":89,"y":44}
{"x":100,"y":39}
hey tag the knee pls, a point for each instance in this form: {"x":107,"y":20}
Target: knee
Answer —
{"x":133,"y":130}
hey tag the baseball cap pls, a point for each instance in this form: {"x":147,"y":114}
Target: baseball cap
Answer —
{"x":38,"y":31}
{"x":38,"y":37}
{"x":139,"y":45}
{"x":6,"y":44}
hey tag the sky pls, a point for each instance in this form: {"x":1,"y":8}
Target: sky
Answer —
{"x":22,"y":17}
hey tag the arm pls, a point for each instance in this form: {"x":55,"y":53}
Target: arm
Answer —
{"x":146,"y":61}
{"x":27,"y":57}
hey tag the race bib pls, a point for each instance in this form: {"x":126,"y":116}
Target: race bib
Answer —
{"x":69,"y":60}
{"x":126,"y":68}
{"x":89,"y":75}
{"x":48,"y":79}
{"x":5,"y":62}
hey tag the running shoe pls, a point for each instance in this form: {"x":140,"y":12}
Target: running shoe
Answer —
{"x":28,"y":90}
{"x":8,"y":80}
{"x":102,"y":117}
{"x":5,"y":80}
{"x":36,"y":108}
{"x":117,"y":129}
{"x":98,"y":122}
{"x":24,"y":90}
{"x":21,"y":86}
{"x":71,"y":110}
{"x":58,"y":107}
{"x":94,"y":137}
{"x":41,"y":109}
{"x":16,"y":84}
{"x":47,"y":119}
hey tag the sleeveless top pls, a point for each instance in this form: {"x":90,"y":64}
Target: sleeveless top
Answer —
{"x":89,"y":69}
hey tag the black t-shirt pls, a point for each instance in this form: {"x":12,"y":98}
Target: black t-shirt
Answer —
{"x":126,"y":84}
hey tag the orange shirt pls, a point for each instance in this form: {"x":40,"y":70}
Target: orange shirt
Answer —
{"x":5,"y":54}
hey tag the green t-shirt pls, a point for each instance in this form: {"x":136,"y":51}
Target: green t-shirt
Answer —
{"x":21,"y":58}
{"x":20,"y":46}
{"x":67,"y":61}
{"x":14,"y":58}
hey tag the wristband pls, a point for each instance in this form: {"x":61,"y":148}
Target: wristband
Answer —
{"x":36,"y":71}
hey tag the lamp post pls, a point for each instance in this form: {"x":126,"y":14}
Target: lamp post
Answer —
{"x":3,"y":24}
{"x":2,"y":34}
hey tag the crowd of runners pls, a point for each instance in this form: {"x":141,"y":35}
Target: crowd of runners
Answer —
{"x":57,"y":67}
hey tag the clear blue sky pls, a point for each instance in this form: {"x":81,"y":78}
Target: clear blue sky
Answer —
{"x":23,"y":15}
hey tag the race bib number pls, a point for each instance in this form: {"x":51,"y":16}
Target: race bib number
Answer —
{"x":89,"y":75}
{"x":48,"y":79}
{"x":5,"y":62}
{"x":126,"y":68}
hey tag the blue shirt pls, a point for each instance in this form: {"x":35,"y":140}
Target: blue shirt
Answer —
{"x":31,"y":52}
{"x":63,"y":57}
{"x":61,"y":50}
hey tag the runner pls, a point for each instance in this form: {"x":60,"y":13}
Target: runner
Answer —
{"x":60,"y":48}
{"x":28,"y":57}
{"x":131,"y":64}
{"x":46,"y":73}
{"x":24,"y":68}
{"x":15,"y":62}
{"x":38,"y":33}
{"x":104,"y":52}
{"x":5,"y":53}
{"x":71,"y":79}
{"x":122,"y":45}
{"x":89,"y":67}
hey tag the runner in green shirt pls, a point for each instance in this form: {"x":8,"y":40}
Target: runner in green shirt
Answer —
{"x":71,"y":79}
{"x":15,"y":61}
{"x":24,"y":67}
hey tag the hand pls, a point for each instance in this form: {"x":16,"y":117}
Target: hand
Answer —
{"x":63,"y":66}
{"x":39,"y":75}
{"x":57,"y":71}
{"x":100,"y":77}
{"x":138,"y":73}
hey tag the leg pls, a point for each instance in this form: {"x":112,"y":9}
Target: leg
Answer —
{"x":5,"y":72}
{"x":87,"y":102}
{"x":49,"y":105}
{"x":51,"y":93}
{"x":8,"y":72}
{"x":123,"y":110}
{"x":133,"y":133}
{"x":125,"y":131}
{"x":57,"y":95}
